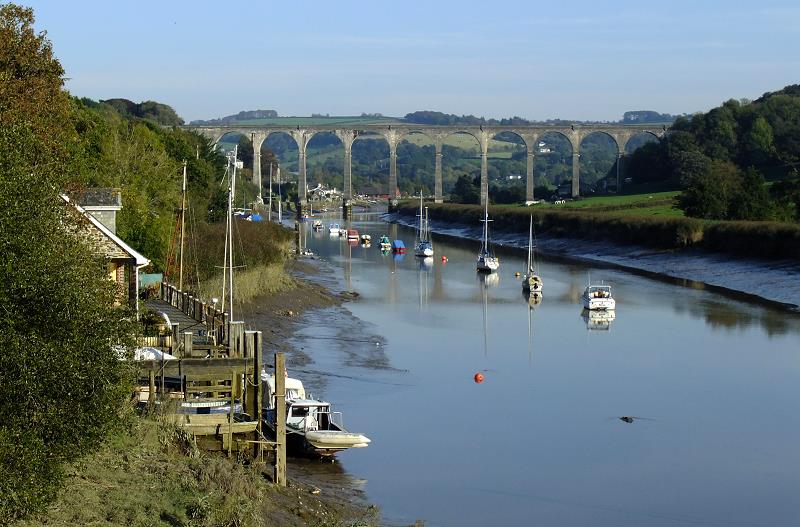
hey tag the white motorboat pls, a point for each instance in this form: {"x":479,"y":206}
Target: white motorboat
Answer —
{"x":531,"y":281}
{"x":487,"y":261}
{"x":333,"y":229}
{"x":317,"y":225}
{"x":424,"y":247}
{"x":598,"y":297}
{"x":311,"y":427}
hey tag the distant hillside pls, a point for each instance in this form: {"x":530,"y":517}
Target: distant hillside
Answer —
{"x":646,"y":117}
{"x":246,"y":115}
{"x":150,"y":110}
{"x":439,"y":118}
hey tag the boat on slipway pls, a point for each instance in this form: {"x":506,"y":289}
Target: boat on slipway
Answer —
{"x":312,"y":428}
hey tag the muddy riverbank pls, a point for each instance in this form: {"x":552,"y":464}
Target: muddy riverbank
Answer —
{"x":319,"y":298}
{"x":772,"y":281}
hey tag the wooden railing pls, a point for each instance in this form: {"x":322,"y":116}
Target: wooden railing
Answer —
{"x":216,"y":321}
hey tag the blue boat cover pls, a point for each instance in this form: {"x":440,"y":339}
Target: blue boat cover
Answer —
{"x":398,"y":244}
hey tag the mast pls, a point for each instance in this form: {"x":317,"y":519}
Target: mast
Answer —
{"x":485,"y":248}
{"x":420,"y":231}
{"x":280,"y":198}
{"x":270,"y":192}
{"x":183,"y":225}
{"x":530,"y":246}
{"x":230,"y":231}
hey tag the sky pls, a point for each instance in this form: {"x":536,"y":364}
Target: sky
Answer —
{"x":581,"y":60}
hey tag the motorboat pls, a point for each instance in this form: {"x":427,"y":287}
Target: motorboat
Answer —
{"x":531,"y":281}
{"x":487,"y":261}
{"x":385,"y":243}
{"x":312,"y":428}
{"x":317,"y":225}
{"x":398,"y":247}
{"x":598,"y":297}
{"x":334,"y":229}
{"x":424,"y":247}
{"x":352,"y":234}
{"x":366,"y":238}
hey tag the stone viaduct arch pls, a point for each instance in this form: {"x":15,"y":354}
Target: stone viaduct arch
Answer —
{"x":394,"y":133}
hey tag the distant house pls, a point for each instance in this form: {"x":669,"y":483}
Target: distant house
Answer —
{"x":123,"y":262}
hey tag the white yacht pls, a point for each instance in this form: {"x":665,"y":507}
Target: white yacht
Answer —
{"x":424,"y":247}
{"x":487,"y":261}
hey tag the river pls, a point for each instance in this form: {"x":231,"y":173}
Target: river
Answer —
{"x":711,"y":381}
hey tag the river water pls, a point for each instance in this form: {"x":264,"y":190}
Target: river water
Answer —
{"x":712,"y":382}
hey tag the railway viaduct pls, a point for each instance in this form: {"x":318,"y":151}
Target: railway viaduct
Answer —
{"x":394,"y":133}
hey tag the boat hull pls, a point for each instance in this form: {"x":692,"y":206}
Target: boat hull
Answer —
{"x":487,"y":264}
{"x":599,"y":304}
{"x":532,"y":283}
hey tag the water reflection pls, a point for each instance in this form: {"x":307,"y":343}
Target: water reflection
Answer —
{"x":678,"y":355}
{"x":598,"y":319}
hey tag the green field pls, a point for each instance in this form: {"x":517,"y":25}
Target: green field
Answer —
{"x":648,"y":204}
{"x":464,"y":142}
{"x":318,"y":121}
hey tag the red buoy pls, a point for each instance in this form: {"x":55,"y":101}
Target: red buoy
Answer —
{"x":444,"y":258}
{"x":478,"y":377}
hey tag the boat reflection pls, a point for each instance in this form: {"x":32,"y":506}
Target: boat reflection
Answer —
{"x":598,"y":320}
{"x":534,"y":298}
{"x":488,"y":280}
{"x":426,"y":264}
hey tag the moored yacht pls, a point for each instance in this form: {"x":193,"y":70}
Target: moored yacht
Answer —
{"x":424,"y":247}
{"x":487,"y":261}
{"x":531,"y":281}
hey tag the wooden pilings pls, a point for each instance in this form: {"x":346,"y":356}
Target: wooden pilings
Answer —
{"x":280,"y":419}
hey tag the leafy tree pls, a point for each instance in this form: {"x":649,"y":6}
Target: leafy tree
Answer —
{"x":709,"y":194}
{"x":148,"y":110}
{"x":752,"y":202}
{"x":63,"y":385}
{"x":466,"y":190}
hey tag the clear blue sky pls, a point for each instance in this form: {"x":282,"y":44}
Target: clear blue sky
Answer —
{"x":584,"y":59}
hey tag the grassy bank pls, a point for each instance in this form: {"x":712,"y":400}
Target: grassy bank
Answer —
{"x":153,"y":475}
{"x":261,"y":250}
{"x":760,"y":239}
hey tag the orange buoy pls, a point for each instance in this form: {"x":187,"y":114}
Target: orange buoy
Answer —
{"x":478,"y":377}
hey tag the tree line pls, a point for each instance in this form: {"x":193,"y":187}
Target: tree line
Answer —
{"x":738,"y":161}
{"x":64,"y":388}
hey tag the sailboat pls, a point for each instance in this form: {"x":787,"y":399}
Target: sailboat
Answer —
{"x":424,"y":247}
{"x":531,"y":281}
{"x":487,"y":261}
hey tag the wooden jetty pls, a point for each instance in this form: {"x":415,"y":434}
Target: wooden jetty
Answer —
{"x":217,"y":363}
